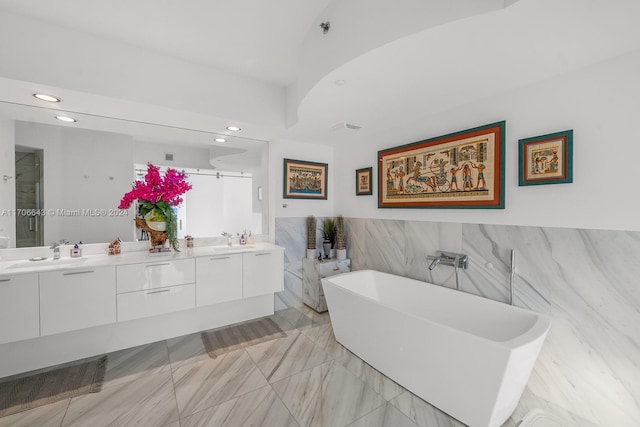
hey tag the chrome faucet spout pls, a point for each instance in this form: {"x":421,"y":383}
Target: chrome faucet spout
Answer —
{"x":228,"y":236}
{"x":436,"y":261}
{"x":56,"y":248}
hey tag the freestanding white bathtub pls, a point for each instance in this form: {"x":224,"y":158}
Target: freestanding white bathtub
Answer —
{"x":469,"y":356}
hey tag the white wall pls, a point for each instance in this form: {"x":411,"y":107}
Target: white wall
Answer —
{"x":599,"y":102}
{"x":278,"y":151}
{"x":92,"y":64}
{"x":7,"y":188}
{"x":183,"y":156}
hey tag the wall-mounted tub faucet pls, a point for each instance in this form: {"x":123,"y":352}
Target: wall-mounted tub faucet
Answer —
{"x":452,"y":259}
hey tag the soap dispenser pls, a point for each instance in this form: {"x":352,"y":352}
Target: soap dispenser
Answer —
{"x":76,"y":252}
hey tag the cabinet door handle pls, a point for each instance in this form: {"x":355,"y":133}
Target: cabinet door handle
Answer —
{"x":77,"y":272}
{"x":264,"y":253}
{"x":160,"y":291}
{"x":155,"y":265}
{"x":222,"y":257}
{"x":5,"y":280}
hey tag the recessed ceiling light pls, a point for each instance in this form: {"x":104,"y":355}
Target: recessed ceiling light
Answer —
{"x":340,"y":82}
{"x":48,"y":98}
{"x":233,"y":128}
{"x":66,"y":119}
{"x":221,"y":140}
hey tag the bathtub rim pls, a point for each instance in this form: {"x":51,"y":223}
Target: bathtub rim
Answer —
{"x":536,"y":331}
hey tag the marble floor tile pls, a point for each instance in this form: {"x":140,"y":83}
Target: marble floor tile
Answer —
{"x":303,"y":317}
{"x":128,"y":365}
{"x":384,"y":416}
{"x":423,"y":413}
{"x":323,"y":337}
{"x":207,"y":383}
{"x":186,"y":349}
{"x":327,"y":395}
{"x":283,"y":357}
{"x":382,"y":384}
{"x":283,"y":321}
{"x":149,"y":400}
{"x":258,"y":408}
{"x":43,"y":416}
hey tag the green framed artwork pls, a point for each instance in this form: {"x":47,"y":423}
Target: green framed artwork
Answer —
{"x":546,"y":159}
{"x":304,"y":180}
{"x":460,"y":170}
{"x":364,"y":186}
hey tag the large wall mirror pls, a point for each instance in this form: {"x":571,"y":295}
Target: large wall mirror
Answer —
{"x":69,"y":178}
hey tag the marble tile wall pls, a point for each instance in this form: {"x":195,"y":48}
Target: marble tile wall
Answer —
{"x":586,"y":280}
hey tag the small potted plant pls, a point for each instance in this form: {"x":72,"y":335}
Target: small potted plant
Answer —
{"x":311,"y":237}
{"x":329,"y":235}
{"x":341,"y":241}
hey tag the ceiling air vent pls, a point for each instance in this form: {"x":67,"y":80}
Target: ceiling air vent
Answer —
{"x":345,"y":126}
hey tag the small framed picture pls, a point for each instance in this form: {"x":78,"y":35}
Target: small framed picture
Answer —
{"x":546,"y":159}
{"x":304,"y":180}
{"x":363,"y":182}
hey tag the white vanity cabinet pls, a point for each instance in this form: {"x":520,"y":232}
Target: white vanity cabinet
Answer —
{"x":262,"y":272}
{"x":153,"y":288}
{"x":19,"y":307}
{"x":77,"y":299}
{"x":218,"y":279}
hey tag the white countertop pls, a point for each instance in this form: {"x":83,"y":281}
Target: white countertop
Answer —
{"x":23,"y":266}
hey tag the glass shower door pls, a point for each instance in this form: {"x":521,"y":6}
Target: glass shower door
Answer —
{"x":29,"y":225}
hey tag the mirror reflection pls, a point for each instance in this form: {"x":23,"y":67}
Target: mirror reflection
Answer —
{"x":69,"y":180}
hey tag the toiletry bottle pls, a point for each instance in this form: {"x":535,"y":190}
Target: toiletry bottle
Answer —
{"x":243,"y":241}
{"x":75,"y":251}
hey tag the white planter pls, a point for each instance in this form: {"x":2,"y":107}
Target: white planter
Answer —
{"x":157,"y":225}
{"x":341,"y":254}
{"x":311,"y":253}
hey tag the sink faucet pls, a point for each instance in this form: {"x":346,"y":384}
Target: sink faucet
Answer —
{"x":228,"y":236}
{"x":56,"y":248}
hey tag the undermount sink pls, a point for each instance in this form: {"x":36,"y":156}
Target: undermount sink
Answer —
{"x":47,"y":262}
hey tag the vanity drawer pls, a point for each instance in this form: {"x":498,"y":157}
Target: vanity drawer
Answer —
{"x":157,"y":274}
{"x":151,"y":302}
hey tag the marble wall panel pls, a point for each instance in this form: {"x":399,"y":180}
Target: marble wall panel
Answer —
{"x":356,"y":249}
